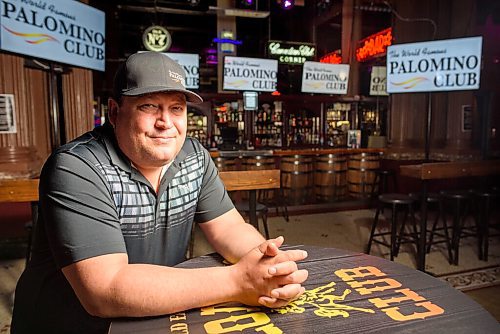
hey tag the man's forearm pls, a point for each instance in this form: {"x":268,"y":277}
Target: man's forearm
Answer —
{"x":137,"y":290}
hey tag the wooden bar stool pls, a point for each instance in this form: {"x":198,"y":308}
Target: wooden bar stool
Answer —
{"x":434,"y":206}
{"x":381,"y":183}
{"x":260,"y":209}
{"x":484,"y":200}
{"x":457,"y":203}
{"x":397,"y":202}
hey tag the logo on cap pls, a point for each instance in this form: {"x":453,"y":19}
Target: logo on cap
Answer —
{"x":176,"y":77}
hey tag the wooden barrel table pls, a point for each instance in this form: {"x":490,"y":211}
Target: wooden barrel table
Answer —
{"x":297,"y":178}
{"x":330,"y":177}
{"x":361,"y":173}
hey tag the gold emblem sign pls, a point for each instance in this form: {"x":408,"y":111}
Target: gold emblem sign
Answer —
{"x":156,"y":38}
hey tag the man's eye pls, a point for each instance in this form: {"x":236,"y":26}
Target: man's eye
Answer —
{"x":177,"y":109}
{"x":149,"y":108}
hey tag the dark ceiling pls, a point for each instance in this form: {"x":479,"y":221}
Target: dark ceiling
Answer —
{"x":193,"y":25}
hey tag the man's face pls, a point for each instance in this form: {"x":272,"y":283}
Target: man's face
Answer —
{"x":150,"y":129}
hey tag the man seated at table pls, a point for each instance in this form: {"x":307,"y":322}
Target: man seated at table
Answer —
{"x":116,"y":212}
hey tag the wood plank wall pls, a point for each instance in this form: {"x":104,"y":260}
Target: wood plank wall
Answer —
{"x":22,"y":153}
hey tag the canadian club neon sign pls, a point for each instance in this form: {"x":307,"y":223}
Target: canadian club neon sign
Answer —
{"x":374,"y":45}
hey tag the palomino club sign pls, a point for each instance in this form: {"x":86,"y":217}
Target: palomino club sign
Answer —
{"x":250,"y":74}
{"x":378,"y":81}
{"x":291,"y":53}
{"x":59,"y":30}
{"x":446,"y":65}
{"x":325,"y":78}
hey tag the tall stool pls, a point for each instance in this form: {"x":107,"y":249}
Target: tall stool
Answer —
{"x":397,"y":202}
{"x":269,"y":197}
{"x":380,"y":184}
{"x":434,"y":205}
{"x":261,"y":210}
{"x":458,"y":204}
{"x":484,"y":200}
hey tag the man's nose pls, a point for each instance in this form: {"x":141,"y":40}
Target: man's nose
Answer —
{"x":164,"y":120}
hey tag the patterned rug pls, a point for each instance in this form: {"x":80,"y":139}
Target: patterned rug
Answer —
{"x":477,"y":279}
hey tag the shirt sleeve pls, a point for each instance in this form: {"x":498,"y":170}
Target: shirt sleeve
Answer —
{"x":77,"y":210}
{"x":213,"y":200}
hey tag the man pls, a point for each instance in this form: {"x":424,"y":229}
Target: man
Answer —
{"x":116,"y":211}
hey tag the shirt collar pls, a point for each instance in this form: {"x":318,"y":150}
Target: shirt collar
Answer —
{"x":120,"y":159}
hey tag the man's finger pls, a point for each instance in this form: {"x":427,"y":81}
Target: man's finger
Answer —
{"x":291,"y":255}
{"x":287,"y":292}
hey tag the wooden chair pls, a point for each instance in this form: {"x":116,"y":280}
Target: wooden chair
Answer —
{"x":251,"y":181}
{"x":22,"y":190}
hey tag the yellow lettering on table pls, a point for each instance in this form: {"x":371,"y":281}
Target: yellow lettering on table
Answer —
{"x":180,"y":327}
{"x":389,"y":283}
{"x":217,"y":326}
{"x":431,"y":308}
{"x":178,"y":316}
{"x":407,"y":295}
{"x":350,"y":274}
{"x":211,"y":310}
{"x":269,"y":329}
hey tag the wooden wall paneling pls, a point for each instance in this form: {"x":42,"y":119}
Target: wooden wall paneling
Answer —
{"x":37,"y":108}
{"x":21,"y":153}
{"x":78,"y":102}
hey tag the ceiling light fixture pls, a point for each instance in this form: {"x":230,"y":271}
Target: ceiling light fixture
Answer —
{"x":286,"y":4}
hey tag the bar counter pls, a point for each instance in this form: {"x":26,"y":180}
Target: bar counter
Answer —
{"x":286,"y":152}
{"x":314,"y":175}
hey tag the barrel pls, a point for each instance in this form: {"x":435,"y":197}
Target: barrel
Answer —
{"x":330,"y":177}
{"x":225,"y":163}
{"x":259,"y":162}
{"x":297,"y":178}
{"x":361,"y":173}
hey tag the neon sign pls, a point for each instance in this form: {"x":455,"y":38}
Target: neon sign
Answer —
{"x":332,"y":58}
{"x":374,"y":45}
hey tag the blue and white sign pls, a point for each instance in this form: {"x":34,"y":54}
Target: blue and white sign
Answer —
{"x":64,"y":31}
{"x":325,"y":78}
{"x":250,"y":74}
{"x":445,"y":65}
{"x":191,"y":64}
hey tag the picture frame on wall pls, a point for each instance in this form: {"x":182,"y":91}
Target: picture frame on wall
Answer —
{"x":353,"y":138}
{"x":7,"y":114}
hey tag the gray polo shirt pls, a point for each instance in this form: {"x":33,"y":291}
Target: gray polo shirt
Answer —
{"x":93,"y":202}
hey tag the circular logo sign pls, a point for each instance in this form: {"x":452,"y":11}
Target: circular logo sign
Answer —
{"x":156,"y":38}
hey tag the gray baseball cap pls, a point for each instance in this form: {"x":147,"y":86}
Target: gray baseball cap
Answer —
{"x":151,"y":72}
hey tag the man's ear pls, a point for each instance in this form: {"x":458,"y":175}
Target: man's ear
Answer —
{"x":112,"y":111}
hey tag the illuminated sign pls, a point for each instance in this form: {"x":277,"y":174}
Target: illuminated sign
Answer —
{"x":156,"y":38}
{"x":378,"y":81}
{"x":291,"y":53}
{"x":58,"y":30}
{"x":374,"y":45}
{"x":228,"y":42}
{"x":332,"y":58}
{"x":325,"y":78}
{"x":250,"y":74}
{"x":445,"y":65}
